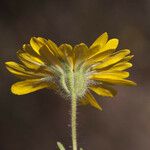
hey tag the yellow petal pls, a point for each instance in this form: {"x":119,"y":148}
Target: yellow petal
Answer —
{"x":101,"y":40}
{"x":28,"y":86}
{"x":21,"y":71}
{"x":38,"y":43}
{"x":80,"y":51}
{"x":111,"y":44}
{"x":48,"y":45}
{"x":48,"y":57}
{"x":95,"y":50}
{"x":121,"y":66}
{"x":99,"y":57}
{"x":35,"y":44}
{"x":104,"y":91}
{"x":127,"y":58}
{"x":92,"y":51}
{"x":112,"y":80}
{"x":57,"y":52}
{"x":68,"y":54}
{"x":113,"y":59}
{"x":120,"y":74}
{"x":89,"y":99}
{"x":66,"y":49}
{"x":29,"y":60}
{"x":28,"y":49}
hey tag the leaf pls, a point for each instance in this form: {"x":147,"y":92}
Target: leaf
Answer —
{"x":60,"y":146}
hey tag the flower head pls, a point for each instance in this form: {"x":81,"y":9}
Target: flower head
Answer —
{"x":64,"y":68}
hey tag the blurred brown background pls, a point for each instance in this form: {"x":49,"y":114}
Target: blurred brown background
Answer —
{"x":36,"y":121}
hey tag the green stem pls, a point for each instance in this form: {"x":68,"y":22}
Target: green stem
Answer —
{"x":73,"y":120}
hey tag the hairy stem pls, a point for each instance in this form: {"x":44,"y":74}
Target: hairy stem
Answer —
{"x":73,"y":120}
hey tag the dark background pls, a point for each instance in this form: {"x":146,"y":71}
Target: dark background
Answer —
{"x":36,"y":121}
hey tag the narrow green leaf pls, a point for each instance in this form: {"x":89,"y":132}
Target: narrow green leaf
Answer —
{"x":61,"y":147}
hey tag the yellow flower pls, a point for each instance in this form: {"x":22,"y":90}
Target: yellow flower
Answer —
{"x":65,"y":68}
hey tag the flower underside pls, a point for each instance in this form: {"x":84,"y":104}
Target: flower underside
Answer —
{"x":62,"y":68}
